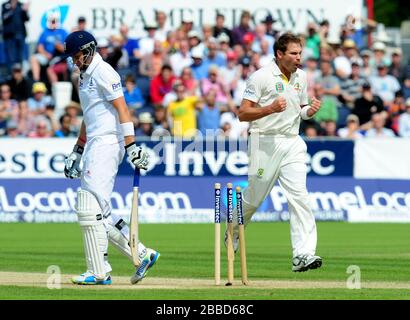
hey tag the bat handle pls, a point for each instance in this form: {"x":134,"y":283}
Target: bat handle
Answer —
{"x":136,"y":177}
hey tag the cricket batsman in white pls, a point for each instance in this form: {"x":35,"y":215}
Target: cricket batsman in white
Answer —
{"x":274,"y":101}
{"x":107,"y":132}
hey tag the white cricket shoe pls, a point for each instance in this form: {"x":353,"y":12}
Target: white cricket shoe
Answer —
{"x":305,"y":262}
{"x":147,"y":262}
{"x":88,"y":278}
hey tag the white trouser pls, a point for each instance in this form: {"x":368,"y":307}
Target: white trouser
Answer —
{"x":282,"y":159}
{"x":101,"y":159}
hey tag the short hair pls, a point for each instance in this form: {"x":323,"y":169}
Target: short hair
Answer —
{"x":283,"y":41}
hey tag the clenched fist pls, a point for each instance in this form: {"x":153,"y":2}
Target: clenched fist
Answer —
{"x":278,"y":105}
{"x":314,"y":107}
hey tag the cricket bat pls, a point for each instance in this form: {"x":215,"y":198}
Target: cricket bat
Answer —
{"x":134,"y":220}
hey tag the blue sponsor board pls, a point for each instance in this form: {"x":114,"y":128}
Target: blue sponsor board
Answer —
{"x":188,"y":200}
{"x":229,"y":158}
{"x":44,"y":158}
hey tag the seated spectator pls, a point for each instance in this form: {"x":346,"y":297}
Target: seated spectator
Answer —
{"x":261,"y":36}
{"x":207,"y":34}
{"x":310,"y":131}
{"x":331,"y":91}
{"x":343,"y":62}
{"x":160,"y":121}
{"x":244,"y":27}
{"x":151,"y":64}
{"x":50,"y":45}
{"x":379,"y":56}
{"x":378,"y":130}
{"x":112,"y":52}
{"x":330,"y":128}
{"x":65,"y":127}
{"x":162,"y":27}
{"x":209,"y":114}
{"x":395,"y":110}
{"x":190,"y":83}
{"x":182,"y":114}
{"x":19,"y":84}
{"x":146,"y":43}
{"x":312,"y":74}
{"x":352,"y":129}
{"x":213,"y":82}
{"x":313,"y":40}
{"x":199,"y":66}
{"x":81,"y":24}
{"x":12,"y":130}
{"x":132,"y":94}
{"x":384,"y":85}
{"x":181,"y":59}
{"x":397,"y":68}
{"x":42,"y":128}
{"x":145,"y":125}
{"x":366,"y":69}
{"x":214,"y":56}
{"x":73,"y":109}
{"x":10,"y":105}
{"x":366,"y":106}
{"x":351,"y":87}
{"x":240,"y":84}
{"x":195,"y":41}
{"x":161,"y":84}
{"x":404,"y":121}
{"x":130,"y":45}
{"x":232,"y":71}
{"x":4,"y":117}
{"x":270,"y":30}
{"x":25,"y":120}
{"x":38,"y":102}
{"x":266,"y":56}
{"x":220,"y":28}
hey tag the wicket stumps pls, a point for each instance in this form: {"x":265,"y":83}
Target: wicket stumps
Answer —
{"x":229,"y":239}
{"x":217,"y":234}
{"x":242,"y":250}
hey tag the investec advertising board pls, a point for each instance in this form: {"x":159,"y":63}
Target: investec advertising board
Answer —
{"x":104,"y":17}
{"x":178,"y":186}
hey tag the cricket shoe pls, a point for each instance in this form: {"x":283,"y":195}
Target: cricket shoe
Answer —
{"x":146,"y":263}
{"x":88,"y":278}
{"x":305,"y":262}
{"x":235,"y":241}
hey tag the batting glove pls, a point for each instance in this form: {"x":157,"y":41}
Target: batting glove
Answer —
{"x":137,"y":156}
{"x":72,"y":163}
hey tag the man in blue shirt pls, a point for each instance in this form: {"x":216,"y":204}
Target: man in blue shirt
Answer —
{"x":50,"y":45}
{"x":14,"y":15}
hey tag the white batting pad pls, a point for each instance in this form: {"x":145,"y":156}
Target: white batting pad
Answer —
{"x":118,"y":235}
{"x":94,"y":233}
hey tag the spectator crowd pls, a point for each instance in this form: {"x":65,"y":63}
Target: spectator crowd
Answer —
{"x":189,"y":81}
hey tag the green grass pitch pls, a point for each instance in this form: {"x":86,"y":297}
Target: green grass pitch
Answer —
{"x":381,"y":251}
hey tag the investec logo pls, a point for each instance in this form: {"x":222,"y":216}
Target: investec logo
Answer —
{"x":64,"y":202}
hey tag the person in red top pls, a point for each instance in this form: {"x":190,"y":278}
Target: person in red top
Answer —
{"x":161,"y":84}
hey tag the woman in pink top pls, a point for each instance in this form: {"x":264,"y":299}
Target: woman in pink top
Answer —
{"x":212,"y":82}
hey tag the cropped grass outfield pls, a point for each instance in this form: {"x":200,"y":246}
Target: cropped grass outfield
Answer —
{"x":381,"y":251}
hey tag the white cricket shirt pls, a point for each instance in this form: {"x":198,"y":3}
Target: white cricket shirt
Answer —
{"x":267,"y":84}
{"x":99,"y":85}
